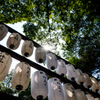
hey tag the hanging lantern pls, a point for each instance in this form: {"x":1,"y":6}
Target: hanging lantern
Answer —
{"x":80,"y":78}
{"x":95,"y":85}
{"x":51,"y":61}
{"x":27,"y":48}
{"x":80,"y":95}
{"x":71,"y":72}
{"x":55,"y":89}
{"x":69,"y":93}
{"x":21,"y":76}
{"x":89,"y":97}
{"x":40,"y":55}
{"x":5,"y":63}
{"x":39,"y":85}
{"x":61,"y":69}
{"x":13,"y":41}
{"x":3,"y":31}
{"x":87,"y":83}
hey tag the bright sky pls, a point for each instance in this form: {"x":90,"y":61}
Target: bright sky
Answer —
{"x":18,"y":27}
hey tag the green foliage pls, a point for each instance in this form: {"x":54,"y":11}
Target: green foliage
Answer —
{"x":12,"y":11}
{"x":76,"y":22}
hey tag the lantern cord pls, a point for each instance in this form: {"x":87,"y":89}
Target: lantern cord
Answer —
{"x":47,"y":1}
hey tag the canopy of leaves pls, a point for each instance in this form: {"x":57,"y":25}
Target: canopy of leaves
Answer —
{"x":75,"y":22}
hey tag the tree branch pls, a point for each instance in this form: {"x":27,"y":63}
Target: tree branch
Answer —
{"x":47,"y":1}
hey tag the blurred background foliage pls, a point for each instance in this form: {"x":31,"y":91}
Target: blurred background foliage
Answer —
{"x":71,"y":26}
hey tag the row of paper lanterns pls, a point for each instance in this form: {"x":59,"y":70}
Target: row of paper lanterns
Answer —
{"x":40,"y":56}
{"x":41,"y":87}
{"x":62,"y":69}
{"x":72,"y":73}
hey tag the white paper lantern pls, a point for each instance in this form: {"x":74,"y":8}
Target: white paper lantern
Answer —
{"x":13,"y":41}
{"x":71,"y":72}
{"x":87,"y":83}
{"x":55,"y":91}
{"x":80,"y":78}
{"x":5,"y":63}
{"x":97,"y":99}
{"x":27,"y":48}
{"x":40,"y":55}
{"x":51,"y":61}
{"x":3,"y":31}
{"x":95,"y":85}
{"x":80,"y":95}
{"x":39,"y":85}
{"x":21,"y":76}
{"x":61,"y":69}
{"x":89,"y":97}
{"x":69,"y":93}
